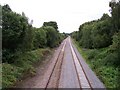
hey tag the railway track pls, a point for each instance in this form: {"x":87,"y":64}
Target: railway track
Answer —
{"x":82,"y":77}
{"x":66,"y":69}
{"x":54,"y":78}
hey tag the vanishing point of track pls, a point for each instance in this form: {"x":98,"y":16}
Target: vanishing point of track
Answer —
{"x":81,"y":75}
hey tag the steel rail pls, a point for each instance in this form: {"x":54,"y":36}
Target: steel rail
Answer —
{"x":81,"y":67}
{"x":62,"y":50}
{"x":83,"y":70}
{"x":76,"y":71}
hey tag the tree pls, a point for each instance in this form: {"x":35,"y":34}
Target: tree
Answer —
{"x":96,"y":33}
{"x":51,"y":23}
{"x":16,"y":33}
{"x":105,"y":17}
{"x":86,"y":40}
{"x":51,"y":29}
{"x":115,"y":11}
{"x":52,"y":36}
{"x":40,"y":39}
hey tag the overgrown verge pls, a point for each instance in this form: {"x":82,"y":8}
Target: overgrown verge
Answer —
{"x":103,"y":63}
{"x":101,"y":40}
{"x":24,"y":63}
{"x":22,"y":43}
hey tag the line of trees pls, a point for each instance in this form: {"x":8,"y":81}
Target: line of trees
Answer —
{"x":101,"y":33}
{"x":95,"y":34}
{"x":101,"y":38}
{"x":18,"y":35}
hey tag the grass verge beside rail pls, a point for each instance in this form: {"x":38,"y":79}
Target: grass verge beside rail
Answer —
{"x":11,"y":73}
{"x":100,"y":61}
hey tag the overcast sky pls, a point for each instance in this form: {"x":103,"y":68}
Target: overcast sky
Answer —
{"x":69,"y":14}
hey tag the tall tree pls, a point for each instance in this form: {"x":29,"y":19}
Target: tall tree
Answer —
{"x":52,"y":36}
{"x":115,"y":11}
{"x":16,"y":32}
{"x":51,"y":23}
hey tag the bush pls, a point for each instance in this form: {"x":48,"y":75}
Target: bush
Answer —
{"x":52,"y":36}
{"x":23,"y":64}
{"x":16,"y":33}
{"x":115,"y":49}
{"x":100,"y":41}
{"x":86,"y":40}
{"x":103,"y":63}
{"x":91,"y":54}
{"x":40,"y":39}
{"x":10,"y":74}
{"x":109,"y":76}
{"x":95,"y":34}
{"x":112,"y":59}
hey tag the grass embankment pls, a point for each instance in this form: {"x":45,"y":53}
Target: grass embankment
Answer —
{"x":102,"y":63}
{"x":25,"y":64}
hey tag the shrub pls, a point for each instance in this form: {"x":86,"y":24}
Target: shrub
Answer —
{"x":23,"y":64}
{"x":40,"y":39}
{"x":109,"y":76}
{"x":91,"y":54}
{"x":52,"y":36}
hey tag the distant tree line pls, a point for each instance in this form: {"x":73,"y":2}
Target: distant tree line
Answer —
{"x":95,"y":34}
{"x":101,"y":33}
{"x":18,"y":36}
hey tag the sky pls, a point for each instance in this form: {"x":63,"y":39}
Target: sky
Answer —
{"x":69,"y":14}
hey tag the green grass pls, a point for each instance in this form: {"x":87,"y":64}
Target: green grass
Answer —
{"x":102,"y":63}
{"x":11,"y":73}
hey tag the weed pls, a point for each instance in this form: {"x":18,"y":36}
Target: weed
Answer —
{"x":23,"y":65}
{"x":103,"y":63}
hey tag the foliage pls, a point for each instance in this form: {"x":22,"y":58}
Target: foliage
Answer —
{"x":116,"y":42}
{"x":86,"y":40}
{"x":95,"y":34}
{"x":52,"y":36}
{"x":19,"y":36}
{"x":21,"y":43}
{"x":101,"y":30}
{"x":15,"y":28}
{"x":0,"y":17}
{"x":103,"y":62}
{"x":9,"y":75}
{"x":115,"y":48}
{"x":51,"y":23}
{"x":109,"y":76}
{"x":103,"y":36}
{"x":40,"y":39}
{"x":115,"y":11}
{"x":16,"y":33}
{"x":24,"y":64}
